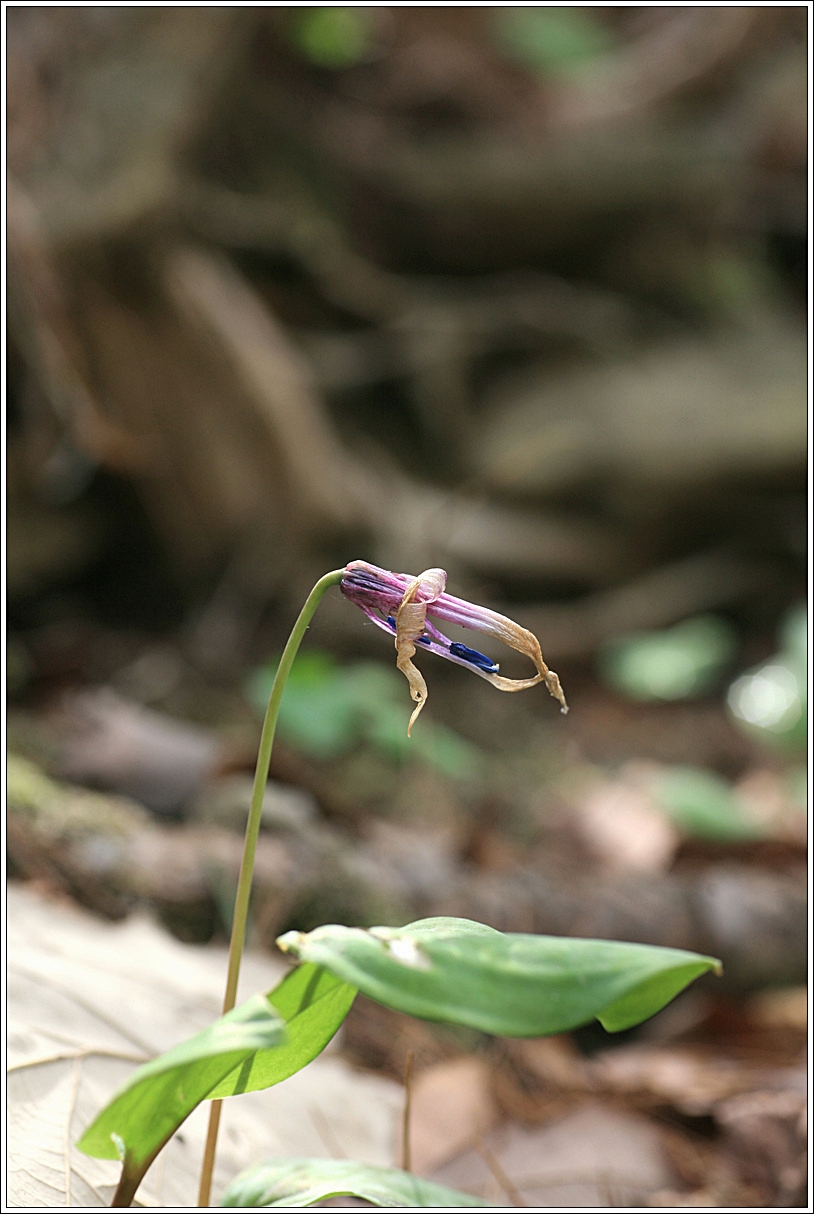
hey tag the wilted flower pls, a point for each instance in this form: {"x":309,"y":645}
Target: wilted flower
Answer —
{"x":400,"y":604}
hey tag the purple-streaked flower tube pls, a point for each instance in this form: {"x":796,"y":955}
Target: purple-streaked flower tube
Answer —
{"x":400,"y":604}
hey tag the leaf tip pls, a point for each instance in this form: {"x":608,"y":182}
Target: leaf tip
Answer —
{"x":290,"y":942}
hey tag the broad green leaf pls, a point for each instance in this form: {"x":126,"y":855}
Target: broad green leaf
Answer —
{"x":160,"y":1095}
{"x":512,"y":985}
{"x":704,"y":804}
{"x":293,"y":1183}
{"x":672,"y":664}
{"x":313,"y":1003}
{"x":255,"y":1046}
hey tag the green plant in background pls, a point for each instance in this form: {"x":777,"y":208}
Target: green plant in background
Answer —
{"x":332,"y":37}
{"x":671,"y":664}
{"x":771,"y":701}
{"x":330,"y":709}
{"x":449,"y":970}
{"x":704,"y":805}
{"x":768,"y":702}
{"x":551,"y":39}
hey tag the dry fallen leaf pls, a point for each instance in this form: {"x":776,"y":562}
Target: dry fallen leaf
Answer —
{"x":87,"y":1000}
{"x":596,"y":1156}
{"x":622,"y":827}
{"x":451,"y":1107}
{"x":687,"y":1079}
{"x":768,"y":1131}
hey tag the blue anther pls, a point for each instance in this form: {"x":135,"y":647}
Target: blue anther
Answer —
{"x":425,"y":640}
{"x":472,"y":656}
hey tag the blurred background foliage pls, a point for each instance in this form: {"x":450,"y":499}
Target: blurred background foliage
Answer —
{"x":328,"y":709}
{"x":515,"y":291}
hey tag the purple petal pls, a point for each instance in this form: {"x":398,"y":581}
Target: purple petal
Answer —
{"x":436,"y":642}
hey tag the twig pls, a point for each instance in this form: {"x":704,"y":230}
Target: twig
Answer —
{"x":323,"y":1128}
{"x":78,"y":1054}
{"x":493,"y":1164}
{"x":208,"y":1163}
{"x":75,"y":1078}
{"x":406,"y":1154}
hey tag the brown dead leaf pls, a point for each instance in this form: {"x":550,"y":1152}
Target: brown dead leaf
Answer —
{"x":767,"y":1132}
{"x":767,"y":796}
{"x":537,"y":1080}
{"x":596,"y":1156}
{"x":555,"y":1060}
{"x":88,"y":1000}
{"x":624,"y":829}
{"x":451,"y":1107}
{"x":689,"y":1081}
{"x":783,"y":1009}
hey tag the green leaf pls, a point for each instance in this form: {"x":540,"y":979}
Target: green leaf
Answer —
{"x":254,"y":1046}
{"x":770,"y":702}
{"x":434,"y":744}
{"x":157,"y":1097}
{"x":512,"y":985}
{"x":651,"y":995}
{"x":293,"y":1183}
{"x":704,"y":804}
{"x":669,"y":665}
{"x":334,"y":37}
{"x":313,"y":1002}
{"x":327,"y":709}
{"x":551,"y":38}
{"x":793,"y":634}
{"x":320,"y":710}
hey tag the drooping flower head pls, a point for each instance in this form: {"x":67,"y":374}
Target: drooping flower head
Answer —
{"x":400,"y":604}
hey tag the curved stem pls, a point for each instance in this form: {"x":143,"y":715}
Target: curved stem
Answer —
{"x":244,"y":884}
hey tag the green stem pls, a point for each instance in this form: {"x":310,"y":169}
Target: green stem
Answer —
{"x":244,"y":884}
{"x":129,"y":1181}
